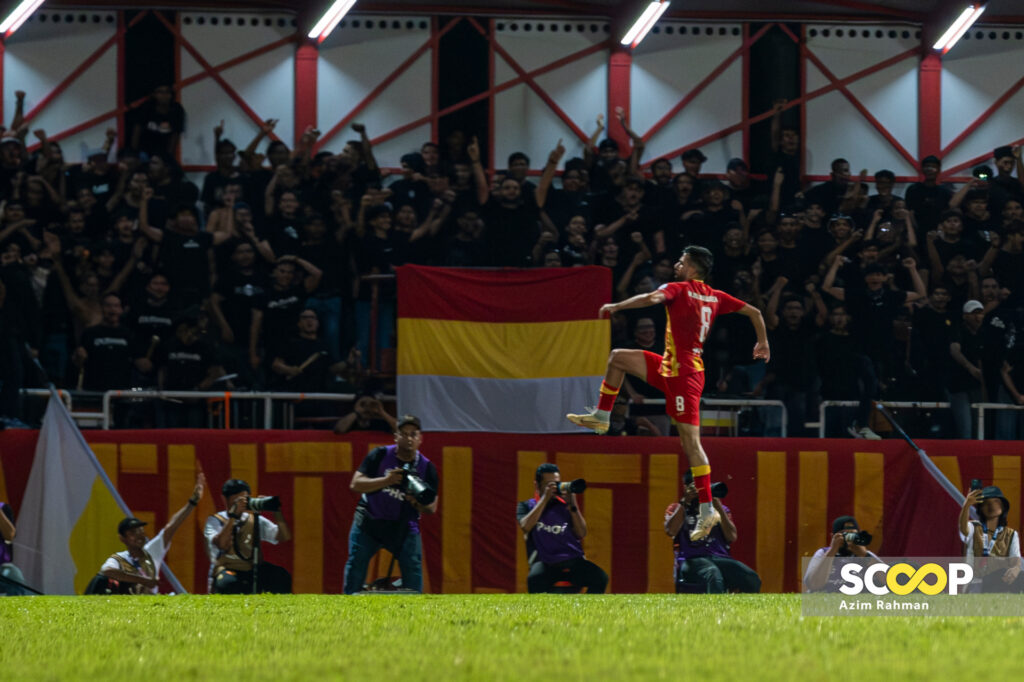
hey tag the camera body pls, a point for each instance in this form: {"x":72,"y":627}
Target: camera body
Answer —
{"x":857,"y":537}
{"x":413,"y":485}
{"x":270,"y":503}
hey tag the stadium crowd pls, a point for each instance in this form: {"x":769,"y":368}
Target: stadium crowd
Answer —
{"x":119,"y":272}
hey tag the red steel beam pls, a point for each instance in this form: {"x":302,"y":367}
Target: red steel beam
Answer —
{"x":531,"y":83}
{"x":382,"y":86}
{"x":851,"y":98}
{"x":803,"y":110}
{"x":987,"y":114}
{"x":435,"y":84}
{"x":490,"y":102}
{"x":206,"y":66}
{"x":746,"y":93}
{"x":975,"y":161}
{"x":122,"y":132}
{"x":489,"y":93}
{"x":305,"y":102}
{"x":825,"y":89}
{"x":242,"y":58}
{"x":929,"y":106}
{"x":699,"y":88}
{"x":620,"y":63}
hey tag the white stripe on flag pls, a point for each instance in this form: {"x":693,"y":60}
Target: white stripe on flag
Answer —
{"x":445,"y":403}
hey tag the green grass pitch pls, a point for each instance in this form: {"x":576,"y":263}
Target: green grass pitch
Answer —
{"x":480,"y":637}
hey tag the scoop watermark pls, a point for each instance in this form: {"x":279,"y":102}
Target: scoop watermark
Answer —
{"x":941,"y":586}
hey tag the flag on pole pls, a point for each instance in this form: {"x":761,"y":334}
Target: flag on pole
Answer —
{"x":69,"y":514}
{"x":500,"y":350}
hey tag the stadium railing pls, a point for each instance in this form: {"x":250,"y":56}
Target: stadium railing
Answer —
{"x":981,"y":408}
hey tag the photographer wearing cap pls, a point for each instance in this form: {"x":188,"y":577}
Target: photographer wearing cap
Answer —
{"x":554,"y":530}
{"x":397,"y":484}
{"x":991,"y":537}
{"x":848,"y":541}
{"x":136,"y":570}
{"x":706,"y":562}
{"x":233,"y":542}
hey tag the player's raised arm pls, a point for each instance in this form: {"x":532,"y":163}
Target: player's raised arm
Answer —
{"x":638,"y":301}
{"x":761,"y":350}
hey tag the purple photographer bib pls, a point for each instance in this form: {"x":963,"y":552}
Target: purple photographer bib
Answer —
{"x":552,"y":537}
{"x":387,"y":504}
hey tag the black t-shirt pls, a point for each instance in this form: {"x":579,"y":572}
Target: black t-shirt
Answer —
{"x":280,"y":316}
{"x":725,"y":267}
{"x":333,"y":261}
{"x":185,"y":366}
{"x":928,"y":203}
{"x":158,"y":128}
{"x":380,"y":255}
{"x":790,"y":164}
{"x":998,"y":332}
{"x":185,"y":259}
{"x":793,"y":355}
{"x":240,"y":293}
{"x":971,"y":348}
{"x":510,"y":233}
{"x":314,"y":378}
{"x":705,"y":228}
{"x":464,"y":254}
{"x":561,"y":206}
{"x":214,"y":184}
{"x":147,"y":320}
{"x":415,"y":193}
{"x":829,"y":195}
{"x":1008,"y":268}
{"x":872,"y":314}
{"x":101,"y":184}
{"x":109,"y":360}
{"x":840,"y":374}
{"x":930,"y":352}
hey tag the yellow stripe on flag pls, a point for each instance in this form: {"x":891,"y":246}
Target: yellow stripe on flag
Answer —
{"x":483,"y":350}
{"x":662,"y":490}
{"x":812,"y":509}
{"x":94,"y":536}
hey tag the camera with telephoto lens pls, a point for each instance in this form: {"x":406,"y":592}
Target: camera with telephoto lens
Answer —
{"x":413,"y":485}
{"x":262,"y":504}
{"x":857,"y":537}
{"x":719,"y":490}
{"x":577,"y":486}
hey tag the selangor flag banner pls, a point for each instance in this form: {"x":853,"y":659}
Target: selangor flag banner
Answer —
{"x":500,"y":350}
{"x":67,"y":524}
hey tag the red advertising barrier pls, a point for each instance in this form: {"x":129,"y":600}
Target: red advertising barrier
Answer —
{"x":783,"y":494}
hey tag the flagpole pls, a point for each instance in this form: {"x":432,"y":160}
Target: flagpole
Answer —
{"x":929,"y":465}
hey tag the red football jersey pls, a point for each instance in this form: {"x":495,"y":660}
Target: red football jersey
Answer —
{"x":691,"y":306}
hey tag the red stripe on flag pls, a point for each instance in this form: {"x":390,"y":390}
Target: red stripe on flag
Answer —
{"x":539,"y":295}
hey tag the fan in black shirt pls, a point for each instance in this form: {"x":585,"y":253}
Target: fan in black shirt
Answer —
{"x":104,"y":352}
{"x":274,"y":315}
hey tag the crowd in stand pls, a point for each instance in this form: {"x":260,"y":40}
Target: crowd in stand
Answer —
{"x":119,"y":272}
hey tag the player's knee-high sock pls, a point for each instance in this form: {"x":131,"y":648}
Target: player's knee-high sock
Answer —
{"x":607,"y":400}
{"x":702,"y":480}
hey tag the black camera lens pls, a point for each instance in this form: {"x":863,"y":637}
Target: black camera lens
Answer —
{"x":260,"y":504}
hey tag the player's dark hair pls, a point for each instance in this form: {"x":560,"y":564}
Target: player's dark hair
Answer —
{"x":701,"y":258}
{"x":545,"y":468}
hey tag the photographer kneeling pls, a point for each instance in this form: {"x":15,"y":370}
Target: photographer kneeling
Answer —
{"x":397,"y":484}
{"x":849,"y":543}
{"x":554,"y":530}
{"x":706,"y":564}
{"x":232,"y":541}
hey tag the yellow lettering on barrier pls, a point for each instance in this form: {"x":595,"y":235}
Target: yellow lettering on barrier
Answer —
{"x":598,"y":543}
{"x":308,"y":532}
{"x":138,"y":458}
{"x":308,"y":457}
{"x":600,"y":467}
{"x":869,"y":477}
{"x":244,"y":465}
{"x":456,"y":519}
{"x":812,"y":505}
{"x":527,"y":462}
{"x":662,"y":490}
{"x":597,"y":503}
{"x":771,"y":519}
{"x":181,"y":479}
{"x":1006,"y":475}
